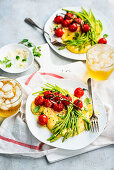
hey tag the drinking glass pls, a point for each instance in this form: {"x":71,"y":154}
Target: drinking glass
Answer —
{"x":100,"y":61}
{"x":10,"y":97}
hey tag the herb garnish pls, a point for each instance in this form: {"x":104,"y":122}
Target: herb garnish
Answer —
{"x":85,"y":109}
{"x":8,"y":65}
{"x":37,"y":51}
{"x":87,"y":101}
{"x":105,"y":36}
{"x":6,"y":61}
{"x":24,"y":59}
{"x":17,"y":57}
{"x":36,"y":109}
{"x":27,"y":43}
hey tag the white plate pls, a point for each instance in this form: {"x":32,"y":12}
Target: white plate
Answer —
{"x":107,"y":29}
{"x":73,"y":143}
{"x":10,"y":48}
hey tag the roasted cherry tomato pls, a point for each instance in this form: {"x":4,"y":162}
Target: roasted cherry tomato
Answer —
{"x":73,"y":27}
{"x":39,"y":100}
{"x":57,"y":96}
{"x":69,"y":16}
{"x":48,"y":94}
{"x":79,"y":92}
{"x":66,"y":23}
{"x":58,"y":106}
{"x":58,"y":19}
{"x":42,"y":119}
{"x":78,"y":104}
{"x":85,"y":28}
{"x":102,"y":41}
{"x":48,"y":103}
{"x":78,"y":20}
{"x":59,"y":32}
{"x":65,"y":102}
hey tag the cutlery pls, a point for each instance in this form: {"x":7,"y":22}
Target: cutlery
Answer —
{"x":52,"y":39}
{"x":93,"y":118}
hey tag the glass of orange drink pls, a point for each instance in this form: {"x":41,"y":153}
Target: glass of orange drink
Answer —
{"x":100,"y":61}
{"x":10,"y":97}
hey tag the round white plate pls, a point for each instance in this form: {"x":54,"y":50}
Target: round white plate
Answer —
{"x":73,"y":143}
{"x":107,"y":29}
{"x":10,"y":48}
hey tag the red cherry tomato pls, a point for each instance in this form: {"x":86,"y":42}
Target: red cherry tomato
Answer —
{"x":85,"y":28}
{"x":69,"y":16}
{"x":102,"y":41}
{"x":66,"y":103}
{"x":66,"y":23}
{"x":42,"y":119}
{"x":78,"y":104}
{"x":58,"y":19}
{"x":47,"y":94}
{"x":59,"y":32}
{"x":78,"y":92}
{"x":48,"y":103}
{"x":58,"y":106}
{"x":57,"y":96}
{"x":73,"y":27}
{"x":78,"y":20}
{"x":39,"y":100}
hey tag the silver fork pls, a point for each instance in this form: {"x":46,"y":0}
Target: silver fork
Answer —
{"x":93,"y":118}
{"x":52,"y":39}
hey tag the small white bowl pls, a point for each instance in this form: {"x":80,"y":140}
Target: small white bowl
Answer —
{"x":10,"y":48}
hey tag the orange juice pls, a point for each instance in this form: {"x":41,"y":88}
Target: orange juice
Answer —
{"x":100,"y":61}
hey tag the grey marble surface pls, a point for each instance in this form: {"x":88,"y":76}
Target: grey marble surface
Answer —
{"x":13,"y":29}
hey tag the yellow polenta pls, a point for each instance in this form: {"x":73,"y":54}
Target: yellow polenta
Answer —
{"x":68,"y":35}
{"x":53,"y":118}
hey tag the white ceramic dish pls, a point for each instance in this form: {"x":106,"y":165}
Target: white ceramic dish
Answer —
{"x":10,"y":48}
{"x":73,"y":143}
{"x":107,"y":29}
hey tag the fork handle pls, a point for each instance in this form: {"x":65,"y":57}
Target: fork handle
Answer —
{"x":30,"y":22}
{"x":90,"y":90}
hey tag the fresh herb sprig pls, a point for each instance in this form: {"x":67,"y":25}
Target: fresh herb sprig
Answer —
{"x":7,"y":62}
{"x":27,"y":43}
{"x":36,"y":50}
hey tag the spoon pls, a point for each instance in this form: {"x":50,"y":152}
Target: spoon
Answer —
{"x":53,"y":40}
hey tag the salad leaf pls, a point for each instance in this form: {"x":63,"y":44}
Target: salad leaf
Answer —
{"x":87,"y":101}
{"x":105,"y":36}
{"x":36,"y":109}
